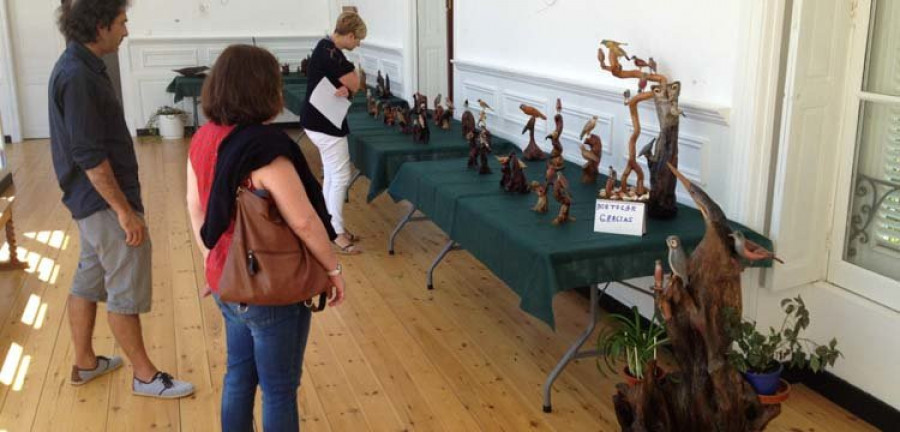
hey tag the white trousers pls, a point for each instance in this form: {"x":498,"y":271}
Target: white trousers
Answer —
{"x":335,"y":153}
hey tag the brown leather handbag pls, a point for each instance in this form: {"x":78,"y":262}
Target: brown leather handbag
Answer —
{"x":267,"y":263}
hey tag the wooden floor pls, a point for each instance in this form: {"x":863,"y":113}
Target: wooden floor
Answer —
{"x":394,"y":357}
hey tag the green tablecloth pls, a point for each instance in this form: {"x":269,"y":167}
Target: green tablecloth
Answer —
{"x":184,"y":87}
{"x":523,"y":248}
{"x":295,"y":96}
{"x":379,"y":151}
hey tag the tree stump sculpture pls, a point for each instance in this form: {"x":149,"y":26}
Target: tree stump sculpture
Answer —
{"x":532,"y":151}
{"x":661,"y":202}
{"x":707,"y":393}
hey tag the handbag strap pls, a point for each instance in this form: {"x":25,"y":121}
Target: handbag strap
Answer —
{"x":311,"y":303}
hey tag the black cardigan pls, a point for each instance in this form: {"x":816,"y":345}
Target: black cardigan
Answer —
{"x":244,"y":150}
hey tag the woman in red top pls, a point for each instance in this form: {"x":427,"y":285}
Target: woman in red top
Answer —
{"x":265,"y":344}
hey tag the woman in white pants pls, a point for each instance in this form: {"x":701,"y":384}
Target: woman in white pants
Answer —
{"x":328,"y":62}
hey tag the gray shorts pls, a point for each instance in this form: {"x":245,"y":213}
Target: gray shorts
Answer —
{"x":109,"y":270}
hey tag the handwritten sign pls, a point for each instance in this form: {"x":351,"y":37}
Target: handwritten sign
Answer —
{"x":620,"y":217}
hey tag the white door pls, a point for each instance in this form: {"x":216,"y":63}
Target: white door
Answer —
{"x":433,"y":60}
{"x":805,"y":178}
{"x":36,"y":44}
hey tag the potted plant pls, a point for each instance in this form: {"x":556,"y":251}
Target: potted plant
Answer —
{"x":761,"y":357}
{"x":632,"y":342}
{"x":169,"y":122}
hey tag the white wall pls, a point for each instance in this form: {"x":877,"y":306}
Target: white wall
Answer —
{"x":693,"y":40}
{"x":171,"y":34}
{"x":389,"y":45}
{"x":228,"y":17}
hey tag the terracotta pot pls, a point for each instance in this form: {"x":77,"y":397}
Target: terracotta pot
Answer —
{"x":784,"y":390}
{"x":632,"y":381}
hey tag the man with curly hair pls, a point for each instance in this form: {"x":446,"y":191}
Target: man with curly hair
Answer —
{"x":97,"y":170}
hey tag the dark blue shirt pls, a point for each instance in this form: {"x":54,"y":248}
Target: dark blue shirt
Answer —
{"x":87,"y":126}
{"x":326,"y":62}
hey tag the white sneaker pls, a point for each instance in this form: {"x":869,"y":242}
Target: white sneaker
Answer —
{"x":162,"y":386}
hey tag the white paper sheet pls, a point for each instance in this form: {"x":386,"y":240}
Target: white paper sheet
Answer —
{"x":334,"y":108}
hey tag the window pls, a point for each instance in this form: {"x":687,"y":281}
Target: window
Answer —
{"x":869,"y":258}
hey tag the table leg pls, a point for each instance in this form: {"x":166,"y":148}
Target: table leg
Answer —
{"x":196,"y":114}
{"x":573,"y":352}
{"x":399,"y":227}
{"x":353,"y":179}
{"x":451,"y":245}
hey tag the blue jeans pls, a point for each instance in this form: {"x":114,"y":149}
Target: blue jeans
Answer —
{"x":265,"y":348}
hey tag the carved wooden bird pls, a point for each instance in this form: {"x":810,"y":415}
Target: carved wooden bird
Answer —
{"x":647,"y":150}
{"x":484,"y":105}
{"x":678,"y":260}
{"x":615,"y":48}
{"x":750,"y":250}
{"x":532,"y":111}
{"x":642,"y":83}
{"x":610,"y":182}
{"x":588,"y":127}
{"x":651,"y":64}
{"x":627,"y":95}
{"x":437,"y":100}
{"x":639,"y":62}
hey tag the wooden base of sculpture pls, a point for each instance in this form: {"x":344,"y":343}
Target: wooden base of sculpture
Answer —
{"x":707,"y":393}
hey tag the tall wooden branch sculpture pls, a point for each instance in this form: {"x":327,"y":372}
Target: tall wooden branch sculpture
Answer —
{"x":661,"y":203}
{"x":707,"y":393}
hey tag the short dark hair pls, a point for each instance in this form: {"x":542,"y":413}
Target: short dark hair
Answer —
{"x":78,"y":19}
{"x":244,"y":87}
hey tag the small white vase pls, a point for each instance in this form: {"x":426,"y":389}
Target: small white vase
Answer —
{"x":171,"y":127}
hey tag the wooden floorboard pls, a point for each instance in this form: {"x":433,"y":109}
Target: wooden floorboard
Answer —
{"x":395,"y":357}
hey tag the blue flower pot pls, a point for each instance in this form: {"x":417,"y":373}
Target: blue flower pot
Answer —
{"x":765,"y":383}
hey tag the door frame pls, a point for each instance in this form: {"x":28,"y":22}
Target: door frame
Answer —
{"x":9,"y":70}
{"x":451,"y":11}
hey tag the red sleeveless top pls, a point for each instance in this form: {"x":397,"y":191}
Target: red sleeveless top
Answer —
{"x":203,"y":154}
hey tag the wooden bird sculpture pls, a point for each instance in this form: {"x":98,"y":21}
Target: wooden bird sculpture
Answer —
{"x":591,"y":151}
{"x":588,"y":127}
{"x":561,"y":193}
{"x":484,"y":148}
{"x":532,"y":111}
{"x":615,"y":48}
{"x":438,"y":111}
{"x":471,"y":138}
{"x":639,"y":62}
{"x":651,"y":64}
{"x":379,"y":81}
{"x":750,"y":250}
{"x":513,"y":179}
{"x":467,"y":120}
{"x":610,"y":183}
{"x":541,"y":191}
{"x":484,"y":105}
{"x":446,"y":119}
{"x":678,"y":259}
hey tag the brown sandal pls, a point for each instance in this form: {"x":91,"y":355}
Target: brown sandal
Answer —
{"x":348,"y":249}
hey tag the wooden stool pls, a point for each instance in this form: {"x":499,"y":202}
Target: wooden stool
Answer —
{"x":6,"y":219}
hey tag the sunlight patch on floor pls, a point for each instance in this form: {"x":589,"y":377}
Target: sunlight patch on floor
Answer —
{"x":8,"y":372}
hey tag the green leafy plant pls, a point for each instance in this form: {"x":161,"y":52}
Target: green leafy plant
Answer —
{"x":153,"y":121}
{"x":632,"y":342}
{"x":754,"y":352}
